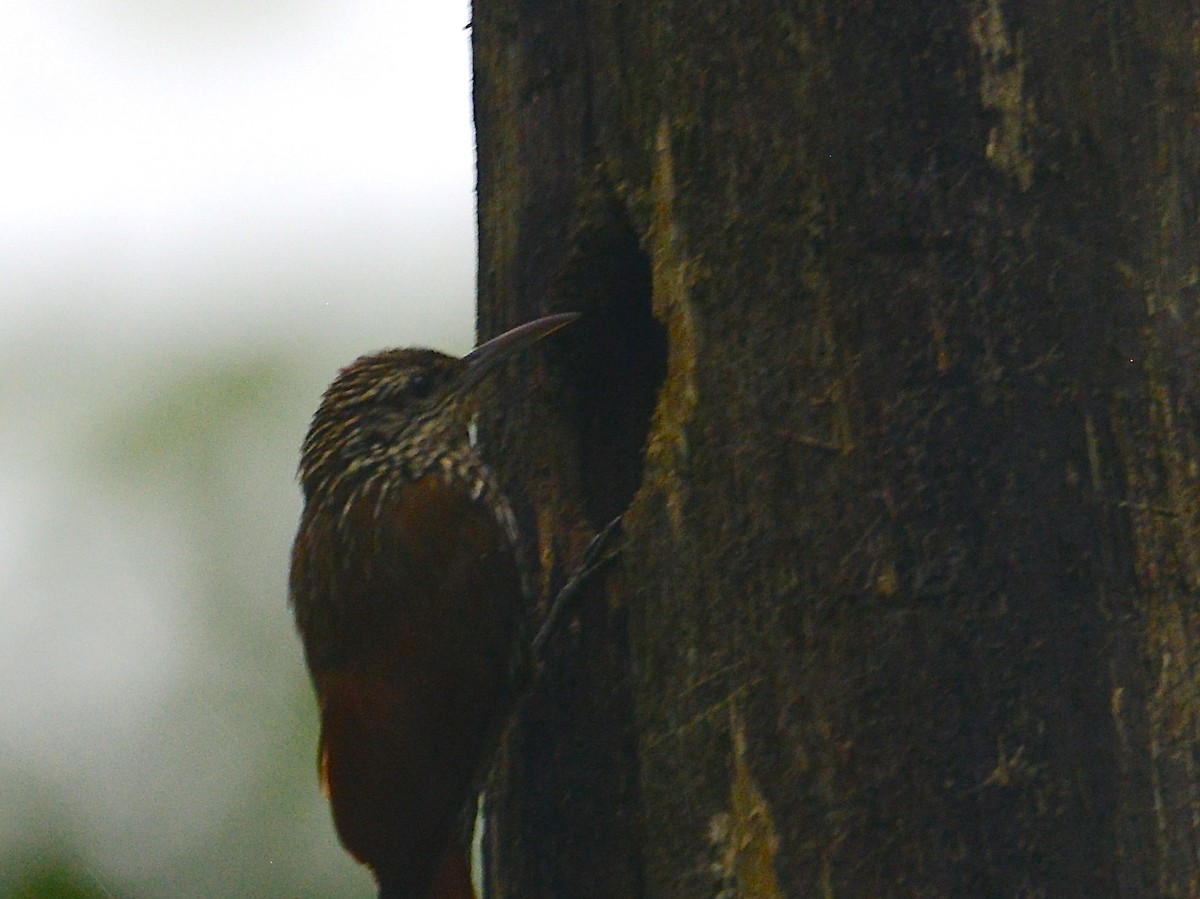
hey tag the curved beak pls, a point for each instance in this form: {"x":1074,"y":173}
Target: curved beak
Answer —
{"x":489,"y":355}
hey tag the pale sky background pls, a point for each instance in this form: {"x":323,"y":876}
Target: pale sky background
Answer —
{"x":166,"y":167}
{"x":205,"y":209}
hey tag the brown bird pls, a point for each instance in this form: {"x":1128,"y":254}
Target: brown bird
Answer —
{"x":411,"y":600}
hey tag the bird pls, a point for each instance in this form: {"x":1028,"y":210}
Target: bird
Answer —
{"x":411,"y":598}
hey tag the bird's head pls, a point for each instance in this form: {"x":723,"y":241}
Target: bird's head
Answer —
{"x":400,"y":411}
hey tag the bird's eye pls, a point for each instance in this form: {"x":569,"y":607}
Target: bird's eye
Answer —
{"x":420,"y":386}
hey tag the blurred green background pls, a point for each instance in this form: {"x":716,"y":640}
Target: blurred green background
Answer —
{"x":207,"y":208}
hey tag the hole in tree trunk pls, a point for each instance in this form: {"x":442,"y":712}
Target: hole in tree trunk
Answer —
{"x":617,"y":360}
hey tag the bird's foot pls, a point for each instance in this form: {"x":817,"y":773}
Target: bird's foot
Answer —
{"x":597,"y":555}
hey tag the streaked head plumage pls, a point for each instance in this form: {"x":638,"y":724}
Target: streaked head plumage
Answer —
{"x":395,"y":409}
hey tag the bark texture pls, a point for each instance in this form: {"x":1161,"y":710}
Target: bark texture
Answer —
{"x":891,"y":355}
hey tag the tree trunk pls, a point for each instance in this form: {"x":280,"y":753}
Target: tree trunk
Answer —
{"x":890,"y":356}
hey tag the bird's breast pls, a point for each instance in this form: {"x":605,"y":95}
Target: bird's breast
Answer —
{"x":412,"y":609}
{"x":428,"y":564}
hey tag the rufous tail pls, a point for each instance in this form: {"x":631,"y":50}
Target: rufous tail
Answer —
{"x":453,"y":878}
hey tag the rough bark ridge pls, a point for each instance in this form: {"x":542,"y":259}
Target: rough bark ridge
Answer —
{"x":909,"y":445}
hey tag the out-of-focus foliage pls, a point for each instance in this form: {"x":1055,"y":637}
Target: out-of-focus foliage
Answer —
{"x":190,"y":770}
{"x":192,"y":193}
{"x":47,"y":879}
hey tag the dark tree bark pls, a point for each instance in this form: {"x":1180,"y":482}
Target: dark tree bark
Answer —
{"x":890,"y":355}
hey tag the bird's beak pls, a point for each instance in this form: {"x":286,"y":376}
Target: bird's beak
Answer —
{"x":490,"y":354}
